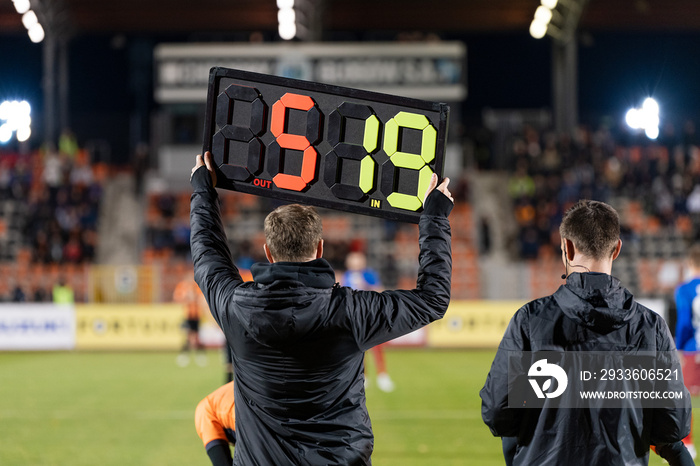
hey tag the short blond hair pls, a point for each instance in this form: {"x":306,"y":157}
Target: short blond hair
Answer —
{"x":292,"y":232}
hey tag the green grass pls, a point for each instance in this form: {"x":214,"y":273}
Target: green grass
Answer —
{"x":74,"y":409}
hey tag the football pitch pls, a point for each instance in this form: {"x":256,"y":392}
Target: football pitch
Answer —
{"x":116,"y":409}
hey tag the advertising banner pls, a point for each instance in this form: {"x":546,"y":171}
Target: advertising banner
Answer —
{"x":37,"y":327}
{"x":415,"y":339}
{"x":431,"y":71}
{"x":129,"y":326}
{"x":472,"y":324}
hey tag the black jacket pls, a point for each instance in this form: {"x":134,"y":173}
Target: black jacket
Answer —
{"x":591,"y":312}
{"x":298,"y":339}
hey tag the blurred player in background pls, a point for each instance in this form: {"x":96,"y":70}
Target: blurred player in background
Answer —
{"x":592,"y":311}
{"x":188,"y":293}
{"x":358,"y":276}
{"x":687,"y":297}
{"x":62,"y":292}
{"x":215,"y":421}
{"x":298,"y":339}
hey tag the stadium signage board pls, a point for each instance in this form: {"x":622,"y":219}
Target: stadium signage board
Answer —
{"x":329,"y":146}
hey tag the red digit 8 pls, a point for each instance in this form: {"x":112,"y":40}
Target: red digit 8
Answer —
{"x":249,"y":163}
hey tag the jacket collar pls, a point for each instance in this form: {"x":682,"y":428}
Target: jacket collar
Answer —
{"x":595,"y":300}
{"x":317,"y":273}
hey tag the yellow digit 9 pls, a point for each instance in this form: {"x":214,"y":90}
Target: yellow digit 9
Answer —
{"x":408,"y":160}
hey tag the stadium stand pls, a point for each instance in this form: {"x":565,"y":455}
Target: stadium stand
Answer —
{"x":49,"y":208}
{"x":650,"y":183}
{"x":63,"y":216}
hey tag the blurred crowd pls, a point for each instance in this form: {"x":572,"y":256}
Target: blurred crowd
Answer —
{"x":56,"y":194}
{"x":552,"y":171}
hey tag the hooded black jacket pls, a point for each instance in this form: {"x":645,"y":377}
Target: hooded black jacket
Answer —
{"x":591,"y":312}
{"x":298,"y":339}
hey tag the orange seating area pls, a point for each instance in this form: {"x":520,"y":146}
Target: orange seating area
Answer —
{"x":36,"y":278}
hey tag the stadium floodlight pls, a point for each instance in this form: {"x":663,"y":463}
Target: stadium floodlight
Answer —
{"x":287,"y":31}
{"x":286,"y":16}
{"x":632,"y":118}
{"x":22,"y":6}
{"x":281,"y":4}
{"x":543,"y":14}
{"x":24,"y":108}
{"x":36,"y":33}
{"x":652,"y":132}
{"x":645,"y":118}
{"x":29,"y":19}
{"x":5,"y":110}
{"x":538,"y":28}
{"x":650,"y":105}
{"x":17,"y":120}
{"x":5,"y":133}
{"x":20,"y":121}
{"x":15,"y":110}
{"x":23,"y":133}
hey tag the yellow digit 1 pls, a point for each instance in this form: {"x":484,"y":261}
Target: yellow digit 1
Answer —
{"x":410,"y":161}
{"x":344,"y":151}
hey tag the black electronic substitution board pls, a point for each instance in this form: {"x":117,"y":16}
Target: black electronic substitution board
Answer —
{"x":328,"y":146}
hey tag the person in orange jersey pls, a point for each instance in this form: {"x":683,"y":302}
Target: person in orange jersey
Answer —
{"x":215,"y":421}
{"x":187,"y":293}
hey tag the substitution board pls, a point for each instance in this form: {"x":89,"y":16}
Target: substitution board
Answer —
{"x":328,"y":146}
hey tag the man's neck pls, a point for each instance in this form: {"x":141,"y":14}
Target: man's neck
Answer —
{"x":591,"y":266}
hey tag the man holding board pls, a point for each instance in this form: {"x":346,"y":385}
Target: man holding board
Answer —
{"x":297,"y":338}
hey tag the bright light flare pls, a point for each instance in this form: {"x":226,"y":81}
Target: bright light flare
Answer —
{"x":538,"y":28}
{"x":632,"y":118}
{"x":652,"y":132}
{"x":281,"y":4}
{"x":36,"y":33}
{"x":29,"y":19}
{"x":23,"y":133}
{"x":287,"y":31}
{"x":650,"y":105}
{"x":5,"y":110}
{"x":17,"y":119}
{"x":5,"y":133}
{"x":20,"y":121}
{"x":22,"y":6}
{"x":551,"y":4}
{"x":286,"y":15}
{"x":645,"y":118}
{"x":542,"y":13}
{"x":23,"y":108}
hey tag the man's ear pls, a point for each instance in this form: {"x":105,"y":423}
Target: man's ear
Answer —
{"x":319,"y":250}
{"x":569,"y":249}
{"x":268,"y":254}
{"x":617,"y":250}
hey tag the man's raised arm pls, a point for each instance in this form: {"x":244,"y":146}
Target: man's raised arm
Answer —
{"x":380,"y":317}
{"x":214,"y":270}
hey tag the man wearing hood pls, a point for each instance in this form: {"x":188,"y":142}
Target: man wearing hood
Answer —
{"x":591,"y":312}
{"x":297,"y":338}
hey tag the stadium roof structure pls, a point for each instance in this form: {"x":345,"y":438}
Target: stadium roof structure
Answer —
{"x":459,"y":16}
